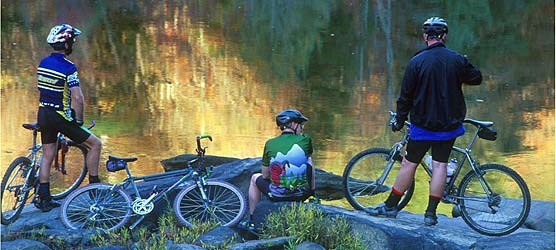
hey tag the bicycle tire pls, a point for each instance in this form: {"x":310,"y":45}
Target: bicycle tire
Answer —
{"x":226,"y":204}
{"x":512,"y":198}
{"x":76,"y":169}
{"x":96,"y":206}
{"x":14,"y":191}
{"x":360,"y":174}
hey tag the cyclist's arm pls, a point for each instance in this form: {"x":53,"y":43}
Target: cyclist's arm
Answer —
{"x":471,"y":75}
{"x":265,"y":171}
{"x":265,"y":162}
{"x":77,"y":102}
{"x":310,"y":161}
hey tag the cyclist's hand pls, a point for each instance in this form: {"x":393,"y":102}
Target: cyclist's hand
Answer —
{"x":397,"y":125}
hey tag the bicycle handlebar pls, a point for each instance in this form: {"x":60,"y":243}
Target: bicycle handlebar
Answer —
{"x":200,"y":149}
{"x":473,"y":122}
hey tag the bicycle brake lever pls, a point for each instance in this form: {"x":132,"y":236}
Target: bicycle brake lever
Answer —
{"x":93,"y":123}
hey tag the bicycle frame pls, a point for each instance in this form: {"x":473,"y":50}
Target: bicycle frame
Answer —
{"x":189,"y":174}
{"x":449,"y":196}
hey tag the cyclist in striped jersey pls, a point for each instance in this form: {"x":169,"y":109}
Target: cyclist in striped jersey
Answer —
{"x":61,"y":106}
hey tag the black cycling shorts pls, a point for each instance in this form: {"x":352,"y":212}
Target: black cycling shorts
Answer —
{"x":52,"y":123}
{"x":264,"y":186}
{"x":440,"y":150}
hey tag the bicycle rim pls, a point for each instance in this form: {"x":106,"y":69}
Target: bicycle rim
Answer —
{"x":501,"y":213}
{"x":14,"y":190}
{"x":225,"y":205}
{"x":360,"y":176}
{"x":96,"y":206}
{"x":61,"y":184}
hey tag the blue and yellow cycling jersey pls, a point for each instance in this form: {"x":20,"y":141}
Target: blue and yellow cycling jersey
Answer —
{"x":56,"y":75}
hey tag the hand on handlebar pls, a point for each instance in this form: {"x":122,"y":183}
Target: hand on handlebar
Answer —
{"x":397,"y":125}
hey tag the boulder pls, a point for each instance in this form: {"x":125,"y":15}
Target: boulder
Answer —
{"x":328,"y":186}
{"x":180,"y":161}
{"x":185,"y":247}
{"x":309,"y":246}
{"x":218,"y":237}
{"x":541,"y":216}
{"x":24,"y":244}
{"x":408,"y":231}
{"x":276,"y":243}
{"x":517,"y":241}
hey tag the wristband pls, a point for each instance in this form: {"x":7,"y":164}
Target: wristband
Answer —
{"x":79,"y":122}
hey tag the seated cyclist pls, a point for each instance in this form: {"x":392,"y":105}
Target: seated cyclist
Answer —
{"x":287,"y":173}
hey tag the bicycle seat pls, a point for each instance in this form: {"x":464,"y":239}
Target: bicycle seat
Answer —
{"x":115,"y":158}
{"x":479,"y":123}
{"x":32,"y":126}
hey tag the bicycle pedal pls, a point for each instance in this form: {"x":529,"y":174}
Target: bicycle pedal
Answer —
{"x":456,"y":211}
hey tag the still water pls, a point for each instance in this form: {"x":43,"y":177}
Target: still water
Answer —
{"x":156,"y":74}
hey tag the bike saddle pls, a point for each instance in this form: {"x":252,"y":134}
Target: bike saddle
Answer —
{"x":479,"y":123}
{"x":32,"y":126}
{"x":115,"y":158}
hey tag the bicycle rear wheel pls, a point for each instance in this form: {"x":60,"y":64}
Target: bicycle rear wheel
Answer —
{"x":96,"y":206}
{"x":225,"y":204}
{"x":500,"y":213}
{"x":15,"y":190}
{"x":361,"y":175}
{"x":70,"y":172}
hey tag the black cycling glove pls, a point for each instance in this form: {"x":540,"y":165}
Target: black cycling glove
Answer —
{"x":397,"y":125}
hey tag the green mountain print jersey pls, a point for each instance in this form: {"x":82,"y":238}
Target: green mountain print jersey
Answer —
{"x":286,"y":157}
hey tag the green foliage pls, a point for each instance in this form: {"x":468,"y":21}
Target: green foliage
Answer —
{"x":142,"y":238}
{"x":306,"y":223}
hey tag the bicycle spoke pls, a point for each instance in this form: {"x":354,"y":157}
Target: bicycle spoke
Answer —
{"x":97,"y":206}
{"x":222,"y":205}
{"x":501,"y":210}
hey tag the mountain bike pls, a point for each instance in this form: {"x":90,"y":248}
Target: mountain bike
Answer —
{"x":21,"y":179}
{"x":493,"y":199}
{"x":110,"y":207}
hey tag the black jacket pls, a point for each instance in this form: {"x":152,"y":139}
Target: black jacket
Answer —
{"x":431,"y":88}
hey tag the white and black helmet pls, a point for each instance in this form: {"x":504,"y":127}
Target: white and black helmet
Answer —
{"x":435,"y":26}
{"x":62,"y":33}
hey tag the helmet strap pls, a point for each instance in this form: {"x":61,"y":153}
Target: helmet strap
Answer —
{"x":69,"y":47}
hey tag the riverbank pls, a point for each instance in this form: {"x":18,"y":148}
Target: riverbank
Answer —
{"x":405,"y":232}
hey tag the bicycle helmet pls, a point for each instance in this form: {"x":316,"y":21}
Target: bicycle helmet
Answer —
{"x":60,"y":34}
{"x":287,"y":116}
{"x":435,"y":27}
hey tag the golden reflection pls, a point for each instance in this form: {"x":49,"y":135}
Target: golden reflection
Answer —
{"x":153,"y":87}
{"x":537,"y":165}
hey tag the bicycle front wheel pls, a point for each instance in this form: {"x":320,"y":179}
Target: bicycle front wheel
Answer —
{"x":15,"y":189}
{"x":501,"y":212}
{"x":70,"y":172}
{"x":225,"y":204}
{"x":96,"y":206}
{"x":361,"y":179}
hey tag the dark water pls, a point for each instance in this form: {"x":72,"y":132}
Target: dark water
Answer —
{"x":157,"y":73}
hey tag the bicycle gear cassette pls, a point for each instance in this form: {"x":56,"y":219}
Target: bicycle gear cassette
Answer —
{"x":142,"y":206}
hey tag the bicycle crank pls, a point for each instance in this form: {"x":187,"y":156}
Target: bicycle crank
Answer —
{"x":142,"y":206}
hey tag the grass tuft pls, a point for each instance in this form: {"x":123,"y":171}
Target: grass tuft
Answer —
{"x":306,"y":223}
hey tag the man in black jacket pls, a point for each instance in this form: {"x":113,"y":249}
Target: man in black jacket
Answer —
{"x":432,"y":95}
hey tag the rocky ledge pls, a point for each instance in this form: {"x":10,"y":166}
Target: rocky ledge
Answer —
{"x":405,"y":232}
